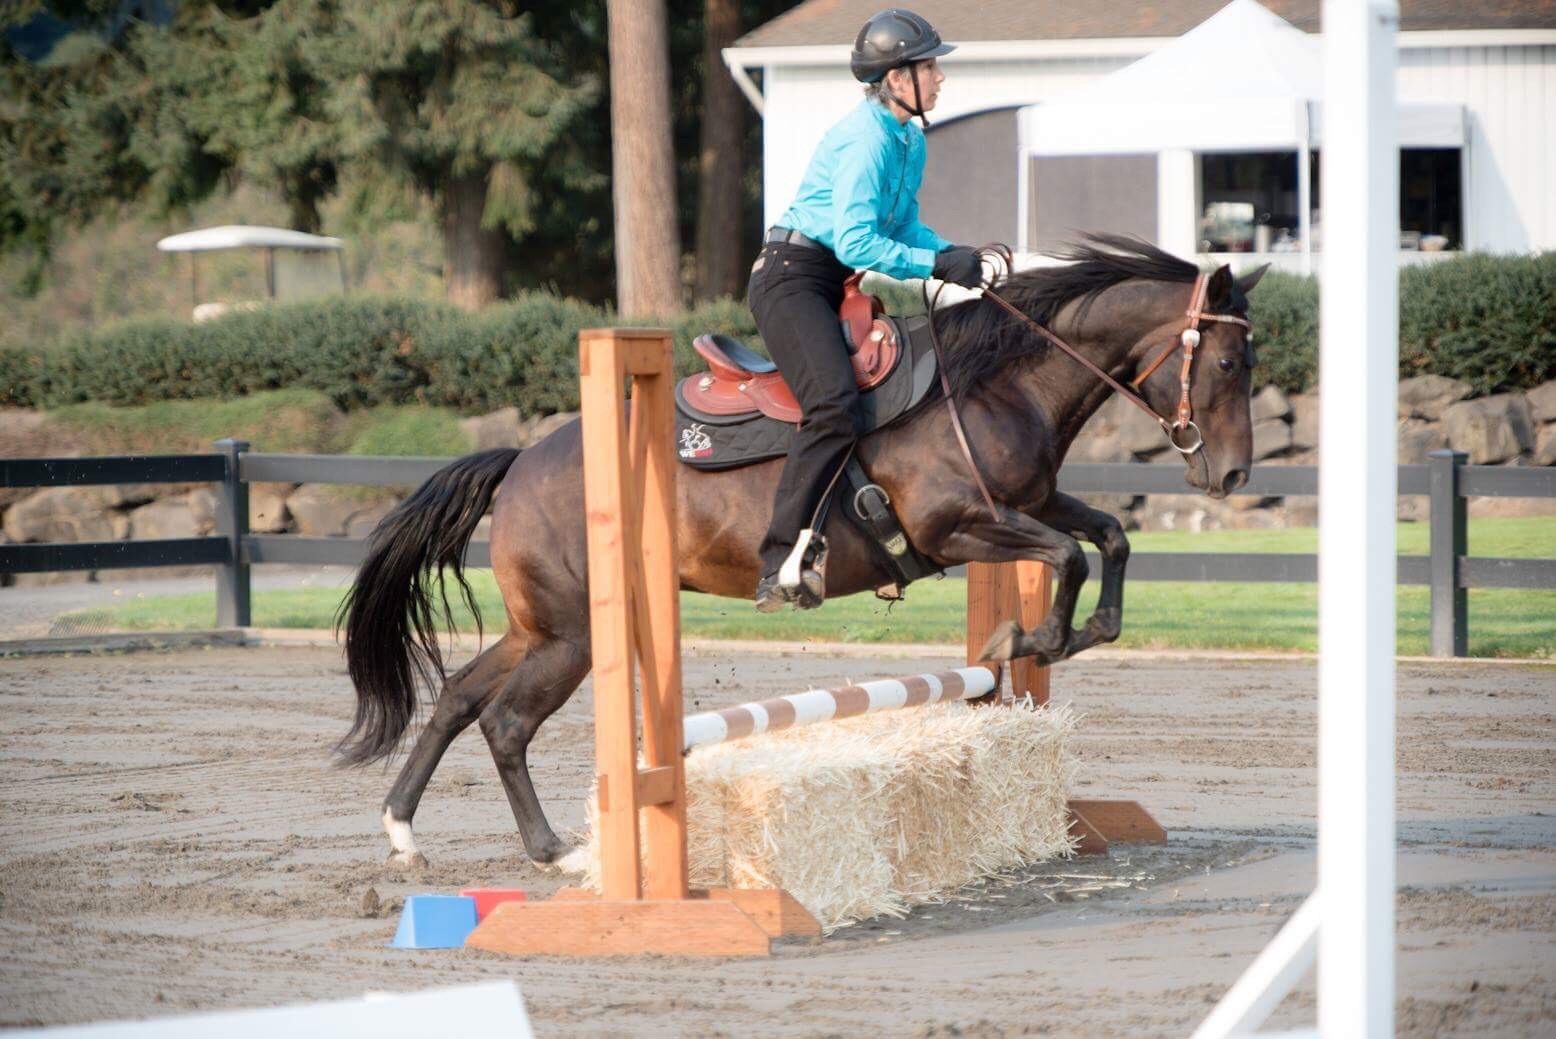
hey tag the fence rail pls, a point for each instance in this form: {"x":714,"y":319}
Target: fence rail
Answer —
{"x":1446,"y":480}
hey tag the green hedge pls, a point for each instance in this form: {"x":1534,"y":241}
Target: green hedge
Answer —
{"x":1488,"y":320}
{"x":358,"y":352}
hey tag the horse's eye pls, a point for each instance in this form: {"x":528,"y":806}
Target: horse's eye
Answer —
{"x":1227,"y":364}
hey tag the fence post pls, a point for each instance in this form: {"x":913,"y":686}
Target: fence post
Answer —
{"x":1449,"y":543}
{"x":232,"y":520}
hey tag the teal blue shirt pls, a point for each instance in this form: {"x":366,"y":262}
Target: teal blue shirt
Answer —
{"x":859,"y":197}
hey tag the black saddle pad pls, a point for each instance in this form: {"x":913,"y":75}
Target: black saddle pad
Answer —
{"x":706,"y":441}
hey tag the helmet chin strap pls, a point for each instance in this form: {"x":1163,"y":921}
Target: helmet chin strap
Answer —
{"x":917,"y":107}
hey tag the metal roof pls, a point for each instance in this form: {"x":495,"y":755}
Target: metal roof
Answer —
{"x":245,"y":236}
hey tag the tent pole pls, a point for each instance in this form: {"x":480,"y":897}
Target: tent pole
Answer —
{"x":1023,"y":202}
{"x":1305,"y":188}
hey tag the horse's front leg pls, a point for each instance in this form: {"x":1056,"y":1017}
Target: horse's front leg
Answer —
{"x":1105,"y":531}
{"x":1017,"y":537}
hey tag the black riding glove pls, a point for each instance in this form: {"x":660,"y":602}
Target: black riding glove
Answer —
{"x":959,"y":265}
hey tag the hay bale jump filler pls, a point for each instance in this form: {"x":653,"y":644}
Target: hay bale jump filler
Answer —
{"x":646,"y":903}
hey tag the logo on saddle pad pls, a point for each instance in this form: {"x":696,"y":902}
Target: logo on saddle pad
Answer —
{"x":695,"y":442}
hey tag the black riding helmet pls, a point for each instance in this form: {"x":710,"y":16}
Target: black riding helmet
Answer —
{"x":893,"y":39}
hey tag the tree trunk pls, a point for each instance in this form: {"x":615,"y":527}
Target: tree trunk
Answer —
{"x":719,"y":263}
{"x":648,"y":244}
{"x":473,"y":256}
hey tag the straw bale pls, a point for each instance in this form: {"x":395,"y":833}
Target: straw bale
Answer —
{"x":872,"y":815}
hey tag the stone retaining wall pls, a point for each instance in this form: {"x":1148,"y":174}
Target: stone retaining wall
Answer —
{"x":1434,"y":412}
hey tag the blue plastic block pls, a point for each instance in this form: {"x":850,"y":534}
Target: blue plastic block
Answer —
{"x":435,"y":922}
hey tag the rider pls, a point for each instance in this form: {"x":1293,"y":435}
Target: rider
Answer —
{"x":856,"y":208}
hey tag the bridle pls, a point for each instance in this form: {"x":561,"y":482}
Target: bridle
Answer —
{"x":1188,"y":341}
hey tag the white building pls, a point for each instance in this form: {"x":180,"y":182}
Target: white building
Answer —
{"x":1009,"y":158}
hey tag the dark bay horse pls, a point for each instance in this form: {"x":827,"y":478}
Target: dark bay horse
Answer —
{"x":1117,"y":302}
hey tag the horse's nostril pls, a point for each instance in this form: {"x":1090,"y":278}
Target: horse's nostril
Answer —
{"x":1234,"y":479}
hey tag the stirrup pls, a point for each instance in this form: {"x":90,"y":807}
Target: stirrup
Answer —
{"x":805,"y":584}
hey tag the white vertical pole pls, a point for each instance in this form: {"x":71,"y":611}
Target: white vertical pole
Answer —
{"x":1177,"y":197}
{"x":1305,"y":189}
{"x":1359,"y":370}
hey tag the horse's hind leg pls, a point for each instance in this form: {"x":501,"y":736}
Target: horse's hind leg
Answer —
{"x":464,"y":695}
{"x":549,"y":673}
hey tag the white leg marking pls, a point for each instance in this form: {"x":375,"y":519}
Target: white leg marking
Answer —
{"x":400,"y":839}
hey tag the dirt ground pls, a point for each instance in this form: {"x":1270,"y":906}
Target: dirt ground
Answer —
{"x":172,"y":837}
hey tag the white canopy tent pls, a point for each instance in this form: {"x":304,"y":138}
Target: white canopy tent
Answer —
{"x":1243,"y":80}
{"x":305,"y":270}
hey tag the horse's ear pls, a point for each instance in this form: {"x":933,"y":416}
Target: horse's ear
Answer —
{"x":1219,"y":292}
{"x":1251,"y":279}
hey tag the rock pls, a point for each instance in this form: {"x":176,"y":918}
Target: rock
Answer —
{"x":1249,"y":502}
{"x":1270,"y":437}
{"x":1093,"y":446}
{"x":1304,"y":420}
{"x":1118,"y":432}
{"x":1542,"y":402}
{"x":202,"y":506}
{"x":1270,"y":403}
{"x":533,"y":430}
{"x":267,"y":507}
{"x":1184,"y":512}
{"x":501,"y":428}
{"x":60,"y":514}
{"x":1301,"y":512}
{"x":120,"y":495}
{"x":321,"y":510}
{"x":1417,"y":439}
{"x":1545,"y":444}
{"x":1428,"y":396}
{"x":1490,"y":429}
{"x":362,"y":522}
{"x":171,"y":518}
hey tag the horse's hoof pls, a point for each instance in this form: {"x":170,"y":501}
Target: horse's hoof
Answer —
{"x":550,"y":853}
{"x":575,"y":861}
{"x":1002,"y":644}
{"x":407,"y":860}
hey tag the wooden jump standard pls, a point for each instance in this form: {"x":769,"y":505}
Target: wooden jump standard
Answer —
{"x":646,"y":905}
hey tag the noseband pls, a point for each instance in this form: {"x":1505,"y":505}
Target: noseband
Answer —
{"x":1188,"y":341}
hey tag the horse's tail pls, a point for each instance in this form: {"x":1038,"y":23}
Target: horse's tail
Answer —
{"x":391,"y":613}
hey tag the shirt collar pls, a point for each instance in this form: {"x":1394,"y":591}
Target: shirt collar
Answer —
{"x":888,"y":120}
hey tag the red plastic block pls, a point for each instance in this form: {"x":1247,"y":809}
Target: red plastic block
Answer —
{"x":487,"y":897}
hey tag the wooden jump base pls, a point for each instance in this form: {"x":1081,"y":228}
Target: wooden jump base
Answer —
{"x":646,"y":904}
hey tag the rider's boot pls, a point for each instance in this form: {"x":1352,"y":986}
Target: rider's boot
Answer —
{"x":801,"y":580}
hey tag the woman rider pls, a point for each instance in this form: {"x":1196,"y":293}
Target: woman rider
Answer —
{"x":857,"y":208}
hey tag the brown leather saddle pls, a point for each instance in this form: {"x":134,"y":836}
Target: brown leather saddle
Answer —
{"x":741,"y":381}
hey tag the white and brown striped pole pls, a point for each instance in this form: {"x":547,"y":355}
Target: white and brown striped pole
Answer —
{"x":819,"y":705}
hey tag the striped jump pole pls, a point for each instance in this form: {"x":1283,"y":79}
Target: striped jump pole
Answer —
{"x":819,"y":705}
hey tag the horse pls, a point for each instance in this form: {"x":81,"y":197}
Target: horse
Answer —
{"x":1116,"y":301}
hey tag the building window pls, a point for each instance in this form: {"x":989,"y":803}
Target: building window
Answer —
{"x":1250,"y":201}
{"x":1431,"y":199}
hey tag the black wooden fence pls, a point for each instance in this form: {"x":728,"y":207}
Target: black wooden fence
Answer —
{"x":1446,"y":481}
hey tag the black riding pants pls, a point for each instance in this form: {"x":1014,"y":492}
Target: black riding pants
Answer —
{"x":794,"y":294}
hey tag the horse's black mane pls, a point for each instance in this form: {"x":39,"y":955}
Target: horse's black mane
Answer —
{"x":980,"y":338}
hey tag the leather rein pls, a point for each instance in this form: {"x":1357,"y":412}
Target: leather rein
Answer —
{"x":1188,"y":341}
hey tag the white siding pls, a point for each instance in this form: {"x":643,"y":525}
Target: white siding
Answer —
{"x":1510,"y":95}
{"x":802,"y":102}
